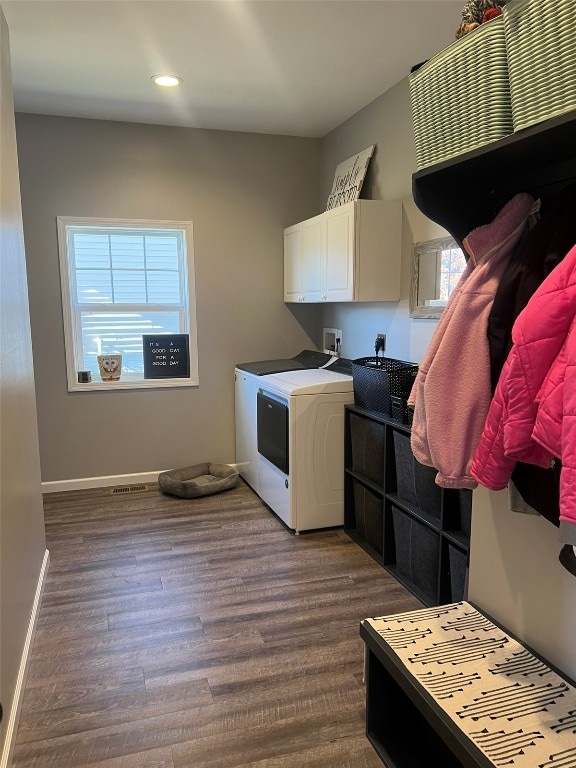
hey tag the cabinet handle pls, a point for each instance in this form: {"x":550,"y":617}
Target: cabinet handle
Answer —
{"x":324,"y":297}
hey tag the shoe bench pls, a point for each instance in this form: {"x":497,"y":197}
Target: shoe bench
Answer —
{"x":448,"y":688}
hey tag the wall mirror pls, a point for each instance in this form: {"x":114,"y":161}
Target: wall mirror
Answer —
{"x":437,"y":267}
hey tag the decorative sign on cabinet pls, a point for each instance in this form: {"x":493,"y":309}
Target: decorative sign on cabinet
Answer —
{"x":349,"y":178}
{"x":349,"y":253}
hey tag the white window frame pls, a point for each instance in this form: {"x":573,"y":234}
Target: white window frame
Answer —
{"x":430,"y":308}
{"x":72,"y":331}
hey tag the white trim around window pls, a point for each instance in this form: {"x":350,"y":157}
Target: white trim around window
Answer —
{"x":120,"y":279}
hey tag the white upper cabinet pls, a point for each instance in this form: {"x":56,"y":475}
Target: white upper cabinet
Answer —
{"x":350,"y":253}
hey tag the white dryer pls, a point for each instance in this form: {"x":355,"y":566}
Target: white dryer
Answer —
{"x":300,"y":435}
{"x":246,"y":384}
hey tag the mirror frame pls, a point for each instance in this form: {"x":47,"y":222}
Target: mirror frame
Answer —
{"x":423,"y":311}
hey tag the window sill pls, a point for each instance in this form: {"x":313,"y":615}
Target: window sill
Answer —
{"x":100,"y":386}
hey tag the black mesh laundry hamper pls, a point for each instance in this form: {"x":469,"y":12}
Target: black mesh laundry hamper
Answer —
{"x":376,"y":379}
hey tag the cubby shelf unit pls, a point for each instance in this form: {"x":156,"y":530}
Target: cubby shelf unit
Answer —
{"x":393,"y":509}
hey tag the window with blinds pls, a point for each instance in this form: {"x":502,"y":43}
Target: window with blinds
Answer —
{"x":121,"y":280}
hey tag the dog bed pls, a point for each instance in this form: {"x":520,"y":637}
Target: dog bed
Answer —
{"x":199,"y":480}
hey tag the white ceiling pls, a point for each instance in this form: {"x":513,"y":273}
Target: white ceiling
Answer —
{"x":294,"y":67}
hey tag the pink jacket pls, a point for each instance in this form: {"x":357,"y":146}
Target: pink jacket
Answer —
{"x":533,"y":415}
{"x":451,"y":394}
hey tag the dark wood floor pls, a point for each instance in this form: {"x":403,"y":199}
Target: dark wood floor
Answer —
{"x":198,"y":634}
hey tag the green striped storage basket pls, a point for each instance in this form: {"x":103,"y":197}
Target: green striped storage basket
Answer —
{"x":461,"y":97}
{"x":541,"y":48}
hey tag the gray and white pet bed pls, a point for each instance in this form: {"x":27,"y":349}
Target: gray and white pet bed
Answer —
{"x":199,"y":480}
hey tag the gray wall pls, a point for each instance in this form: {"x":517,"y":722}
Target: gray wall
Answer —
{"x":515,"y":576}
{"x":387,"y":123}
{"x":240,"y":191}
{"x":22,"y":542}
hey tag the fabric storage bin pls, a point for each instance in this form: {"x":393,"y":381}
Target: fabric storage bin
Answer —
{"x":399,"y":408}
{"x":410,"y":416}
{"x":461,"y":97}
{"x":458,"y":565}
{"x":375,"y":379}
{"x":540,"y":42}
{"x":369,"y":516}
{"x":405,"y":479}
{"x":465,"y":499}
{"x":416,"y":553}
{"x":428,"y":494}
{"x":367,"y":443}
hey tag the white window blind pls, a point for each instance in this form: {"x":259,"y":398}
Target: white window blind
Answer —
{"x":121,"y":280}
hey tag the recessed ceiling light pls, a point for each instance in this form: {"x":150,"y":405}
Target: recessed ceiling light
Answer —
{"x":168,"y":81}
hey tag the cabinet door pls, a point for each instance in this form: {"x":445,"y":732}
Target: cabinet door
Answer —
{"x":314,"y":252}
{"x":340,"y":253}
{"x":293,"y":264}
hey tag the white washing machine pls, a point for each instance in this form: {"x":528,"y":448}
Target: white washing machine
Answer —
{"x":300,"y":438}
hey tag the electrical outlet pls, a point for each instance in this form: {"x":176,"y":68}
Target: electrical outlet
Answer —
{"x":332,"y":343}
{"x":380,"y":343}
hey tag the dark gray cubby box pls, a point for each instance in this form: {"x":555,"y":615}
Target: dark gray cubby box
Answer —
{"x":458,"y":566}
{"x":368,"y":510}
{"x":415,"y":483}
{"x":417,"y":558}
{"x":405,"y":474}
{"x":367,"y":445}
{"x":395,"y":511}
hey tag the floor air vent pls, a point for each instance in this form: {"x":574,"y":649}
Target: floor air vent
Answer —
{"x":127,"y":489}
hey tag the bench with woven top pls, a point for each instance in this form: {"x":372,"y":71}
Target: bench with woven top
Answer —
{"x":448,"y":687}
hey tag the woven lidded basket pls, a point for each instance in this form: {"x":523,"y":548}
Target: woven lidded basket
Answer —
{"x":461,"y":97}
{"x":540,"y":43}
{"x":376,"y":379}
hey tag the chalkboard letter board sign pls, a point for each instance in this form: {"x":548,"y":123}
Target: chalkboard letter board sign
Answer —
{"x":166,"y":356}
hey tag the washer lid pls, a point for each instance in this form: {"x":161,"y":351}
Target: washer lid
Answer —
{"x":303,"y":360}
{"x":314,"y":382}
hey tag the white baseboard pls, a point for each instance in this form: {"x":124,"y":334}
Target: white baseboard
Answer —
{"x":106,"y":481}
{"x":14,"y":712}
